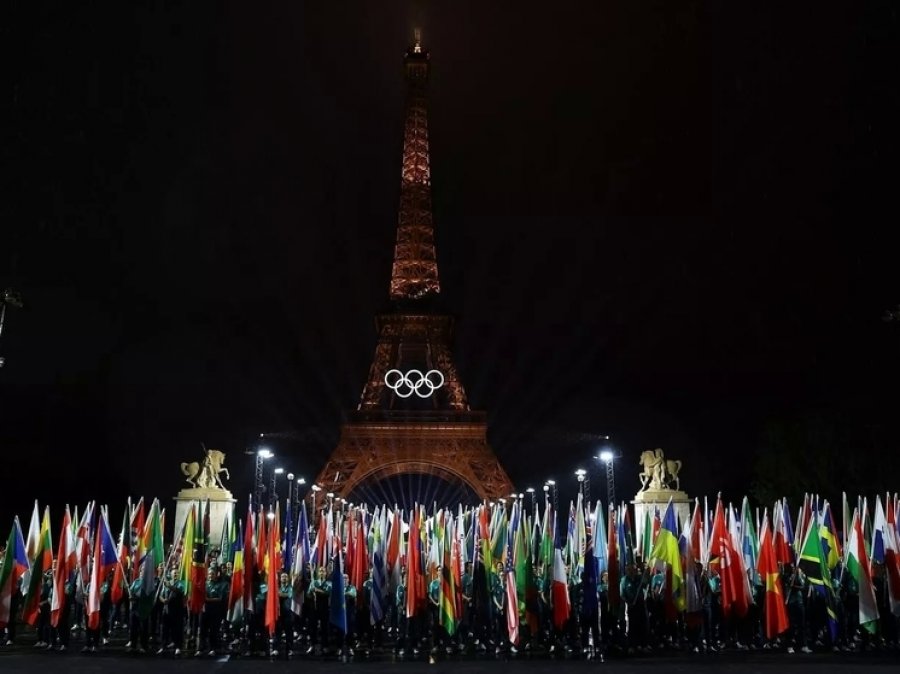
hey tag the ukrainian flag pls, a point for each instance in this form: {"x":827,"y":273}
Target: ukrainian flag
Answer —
{"x":665,"y":549}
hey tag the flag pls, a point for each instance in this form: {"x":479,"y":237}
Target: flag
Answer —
{"x":236,"y":591}
{"x":812,"y":563}
{"x":858,"y":567}
{"x":152,"y":554}
{"x":559,"y":591}
{"x":512,"y":604}
{"x":379,"y":574}
{"x":598,"y":536}
{"x":449,"y":616}
{"x":665,"y":549}
{"x":892,"y":558}
{"x":105,"y":560}
{"x":40,"y":564}
{"x":272,"y":580}
{"x":415,"y":581}
{"x":614,"y":569}
{"x":33,"y":540}
{"x":197,"y":555}
{"x":137,"y":528}
{"x":300,"y":558}
{"x":15,"y":564}
{"x":187,"y":557}
{"x":337,"y":611}
{"x":117,"y":590}
{"x":828,"y":533}
{"x":776,"y":617}
{"x":249,"y":558}
{"x":784,"y":534}
{"x":722,"y":552}
{"x":65,"y":560}
{"x":749,"y":540}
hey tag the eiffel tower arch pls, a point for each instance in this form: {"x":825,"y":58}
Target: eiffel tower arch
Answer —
{"x":402,"y":424}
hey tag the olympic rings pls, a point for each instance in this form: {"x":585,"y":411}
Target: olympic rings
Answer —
{"x":404,"y":385}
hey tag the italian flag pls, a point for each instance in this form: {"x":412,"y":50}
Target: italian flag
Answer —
{"x":858,"y":567}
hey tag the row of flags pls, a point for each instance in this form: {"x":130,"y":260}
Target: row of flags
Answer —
{"x":526,"y":549}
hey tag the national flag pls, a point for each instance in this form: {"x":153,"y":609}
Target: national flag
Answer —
{"x":186,"y":573}
{"x":33,"y":540}
{"x":828,"y":533}
{"x":337,"y":605}
{"x":152,"y":554}
{"x":273,"y":606}
{"x":892,"y":557}
{"x":300,"y":559}
{"x":123,"y":553}
{"x":858,"y":567}
{"x":236,"y":590}
{"x":812,"y":563}
{"x":784,"y":534}
{"x":105,"y":560}
{"x":665,"y":549}
{"x":559,"y":591}
{"x":65,"y":560}
{"x":137,"y":523}
{"x":776,"y":617}
{"x":598,"y":534}
{"x":415,"y":578}
{"x":197,"y":547}
{"x":449,"y":617}
{"x":15,"y":564}
{"x":40,"y":564}
{"x":250,"y":568}
{"x":379,"y":573}
{"x":614,"y":570}
{"x":749,"y":540}
{"x":722,"y":552}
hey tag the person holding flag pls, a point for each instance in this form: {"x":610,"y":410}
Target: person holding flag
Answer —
{"x":172,"y":599}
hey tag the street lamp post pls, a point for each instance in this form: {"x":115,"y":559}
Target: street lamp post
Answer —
{"x":609,"y":458}
{"x":290,"y":488}
{"x":273,"y":497}
{"x":530,"y":492}
{"x":258,"y":487}
{"x":584,"y":484}
{"x":300,"y":482}
{"x":314,"y":490}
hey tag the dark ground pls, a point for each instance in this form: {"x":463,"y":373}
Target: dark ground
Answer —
{"x":23,"y":658}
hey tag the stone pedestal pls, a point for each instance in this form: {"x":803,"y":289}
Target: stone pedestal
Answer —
{"x":220,"y":507}
{"x":651,"y":499}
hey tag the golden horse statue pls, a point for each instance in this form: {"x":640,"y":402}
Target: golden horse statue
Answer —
{"x":658,"y":472}
{"x":205,"y":474}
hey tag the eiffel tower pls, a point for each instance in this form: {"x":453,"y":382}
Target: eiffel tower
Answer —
{"x":413,"y":416}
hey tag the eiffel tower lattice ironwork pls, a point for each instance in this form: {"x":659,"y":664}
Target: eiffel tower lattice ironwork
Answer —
{"x":396,"y":429}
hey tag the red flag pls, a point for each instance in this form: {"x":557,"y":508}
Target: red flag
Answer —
{"x":775,"y":610}
{"x":197,"y":598}
{"x":722,"y":552}
{"x":360,"y":568}
{"x":65,"y":557}
{"x":272,"y":582}
{"x":118,"y":586}
{"x":415,"y":581}
{"x":249,"y":561}
{"x":138,"y":518}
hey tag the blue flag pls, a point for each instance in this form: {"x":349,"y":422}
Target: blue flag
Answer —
{"x":338,"y":604}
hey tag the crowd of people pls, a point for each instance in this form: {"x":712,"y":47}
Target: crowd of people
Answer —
{"x":343,"y":592}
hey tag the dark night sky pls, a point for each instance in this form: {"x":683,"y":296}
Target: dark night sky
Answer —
{"x":663,"y":221}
